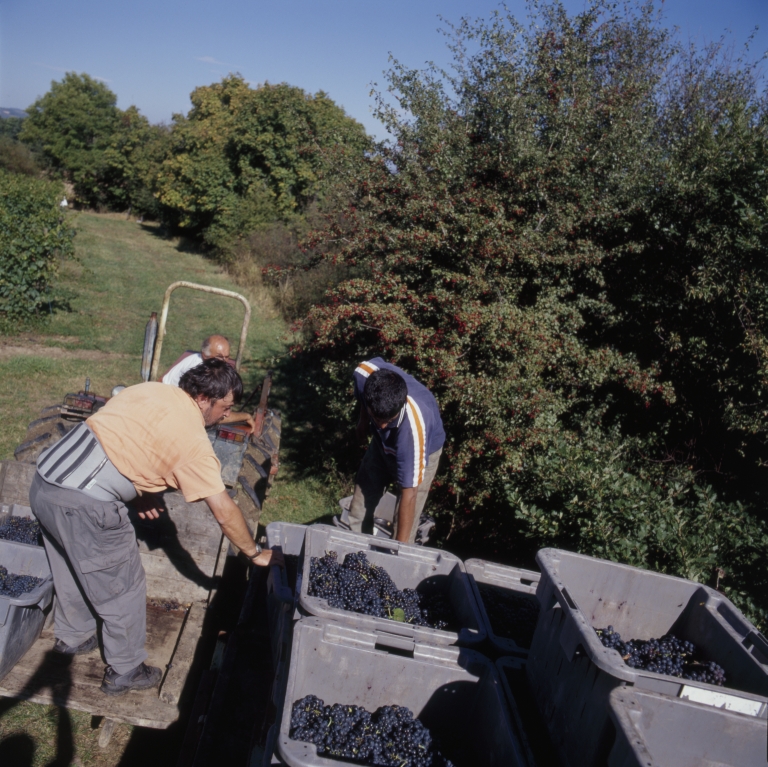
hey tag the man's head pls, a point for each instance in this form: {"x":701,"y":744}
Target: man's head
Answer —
{"x":384,"y":395}
{"x":215,"y":387}
{"x":215,"y":347}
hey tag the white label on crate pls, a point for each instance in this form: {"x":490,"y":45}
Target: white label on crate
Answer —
{"x":721,"y":700}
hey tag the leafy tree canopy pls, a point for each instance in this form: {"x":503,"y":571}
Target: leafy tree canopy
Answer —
{"x":566,"y":241}
{"x":70,"y":127}
{"x":246,"y":156}
{"x":132,"y":162}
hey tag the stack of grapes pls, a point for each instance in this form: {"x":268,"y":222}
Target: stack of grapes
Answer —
{"x":666,"y":655}
{"x":21,"y":530}
{"x":12,"y":585}
{"x":390,"y":736}
{"x":512,"y":616}
{"x":362,"y":587}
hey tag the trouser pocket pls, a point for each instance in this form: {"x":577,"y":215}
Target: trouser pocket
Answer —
{"x":104,"y":550}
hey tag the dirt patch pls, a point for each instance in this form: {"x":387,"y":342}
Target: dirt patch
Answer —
{"x":32,"y":347}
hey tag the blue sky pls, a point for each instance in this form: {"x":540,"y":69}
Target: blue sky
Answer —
{"x":154,"y":53}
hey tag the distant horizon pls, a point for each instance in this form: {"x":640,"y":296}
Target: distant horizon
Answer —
{"x":340,"y":47}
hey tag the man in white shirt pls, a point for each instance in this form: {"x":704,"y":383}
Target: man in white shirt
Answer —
{"x":214,"y":347}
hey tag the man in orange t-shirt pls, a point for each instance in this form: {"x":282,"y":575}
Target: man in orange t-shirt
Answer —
{"x":147,"y":439}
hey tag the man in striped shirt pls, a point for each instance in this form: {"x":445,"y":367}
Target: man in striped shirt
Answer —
{"x":407,"y":441}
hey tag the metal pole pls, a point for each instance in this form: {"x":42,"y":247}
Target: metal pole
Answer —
{"x":204,"y":289}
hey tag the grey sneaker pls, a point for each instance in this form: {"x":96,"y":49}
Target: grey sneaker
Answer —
{"x":143,"y":677}
{"x":89,"y":645}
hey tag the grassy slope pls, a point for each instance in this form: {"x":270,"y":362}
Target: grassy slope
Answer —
{"x":120,"y":274}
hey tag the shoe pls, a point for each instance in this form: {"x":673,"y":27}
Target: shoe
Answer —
{"x":143,"y":677}
{"x":89,"y":645}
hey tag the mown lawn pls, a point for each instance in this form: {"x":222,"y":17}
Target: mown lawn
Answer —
{"x":96,"y":330}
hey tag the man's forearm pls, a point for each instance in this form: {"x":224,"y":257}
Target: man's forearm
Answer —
{"x":239,"y":418}
{"x":406,"y":514}
{"x":232,"y":522}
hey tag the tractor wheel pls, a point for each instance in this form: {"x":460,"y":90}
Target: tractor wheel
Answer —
{"x":259,"y":468}
{"x":43,"y":432}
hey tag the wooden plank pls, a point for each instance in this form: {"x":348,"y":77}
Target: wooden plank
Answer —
{"x":15,"y":481}
{"x":105,"y":732}
{"x":42,"y":676}
{"x":181,"y":662}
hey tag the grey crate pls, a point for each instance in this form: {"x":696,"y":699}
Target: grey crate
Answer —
{"x":408,"y":565}
{"x":282,"y":597}
{"x":16,"y":510}
{"x":454,"y":691}
{"x":522,"y":582}
{"x":572,"y":674}
{"x":22,"y":618}
{"x":654,"y":730}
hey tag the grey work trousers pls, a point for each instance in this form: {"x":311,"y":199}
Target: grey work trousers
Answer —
{"x":91,"y":546}
{"x":377,"y":471}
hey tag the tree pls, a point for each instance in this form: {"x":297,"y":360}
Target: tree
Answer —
{"x":245,"y":157}
{"x":132,"y":163}
{"x":70,"y":127}
{"x":11,"y":126}
{"x":564,"y":242}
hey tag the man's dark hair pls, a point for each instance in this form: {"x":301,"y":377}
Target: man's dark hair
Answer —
{"x":385,"y":393}
{"x":213,"y":379}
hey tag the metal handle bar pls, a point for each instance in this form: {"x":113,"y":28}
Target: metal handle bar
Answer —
{"x":204,"y":289}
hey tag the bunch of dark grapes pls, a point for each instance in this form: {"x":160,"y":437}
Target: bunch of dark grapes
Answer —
{"x":21,"y":530}
{"x":513,"y":616}
{"x":362,"y":587}
{"x":665,"y":655}
{"x":12,"y":585}
{"x":391,"y":736}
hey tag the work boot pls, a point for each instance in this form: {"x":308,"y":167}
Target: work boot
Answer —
{"x":84,"y":647}
{"x":143,"y":677}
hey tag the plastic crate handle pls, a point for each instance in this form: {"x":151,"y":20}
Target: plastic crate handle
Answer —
{"x":385,"y":641}
{"x":385,"y":543}
{"x":756,"y":641}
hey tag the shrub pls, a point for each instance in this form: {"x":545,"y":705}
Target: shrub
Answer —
{"x":34,"y":235}
{"x":565,"y":240}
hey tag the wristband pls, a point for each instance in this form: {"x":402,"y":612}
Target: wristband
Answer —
{"x":258,"y":551}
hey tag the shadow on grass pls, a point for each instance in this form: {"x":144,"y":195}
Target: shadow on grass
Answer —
{"x":183,"y":245}
{"x":53,"y":673}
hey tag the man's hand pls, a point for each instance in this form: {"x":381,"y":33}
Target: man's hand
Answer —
{"x":149,"y":505}
{"x":269,"y":557}
{"x":241,"y":419}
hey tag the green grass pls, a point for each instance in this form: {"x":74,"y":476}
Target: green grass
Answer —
{"x":96,"y":330}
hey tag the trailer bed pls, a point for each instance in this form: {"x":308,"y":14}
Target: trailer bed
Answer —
{"x":183,"y":554}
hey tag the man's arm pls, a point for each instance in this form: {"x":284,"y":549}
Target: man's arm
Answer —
{"x":363,"y":422}
{"x":240,"y":418}
{"x":406,"y":513}
{"x":233,"y":525}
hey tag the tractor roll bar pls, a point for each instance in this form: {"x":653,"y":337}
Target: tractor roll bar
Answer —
{"x":205,"y":289}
